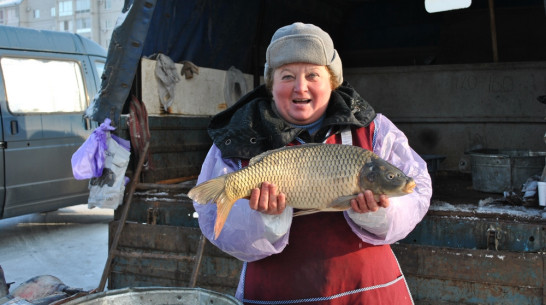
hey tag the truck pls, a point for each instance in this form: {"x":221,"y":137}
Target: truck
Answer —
{"x":466,"y":86}
{"x":47,"y":80}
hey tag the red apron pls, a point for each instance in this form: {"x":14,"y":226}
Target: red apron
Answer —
{"x":325,"y":263}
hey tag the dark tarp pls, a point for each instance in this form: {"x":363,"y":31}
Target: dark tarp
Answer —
{"x":223,"y":33}
{"x":210,"y":33}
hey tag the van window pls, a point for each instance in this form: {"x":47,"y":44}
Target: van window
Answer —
{"x":43,"y":85}
{"x":99,"y":65}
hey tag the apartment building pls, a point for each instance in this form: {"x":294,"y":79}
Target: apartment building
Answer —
{"x":94,"y":19}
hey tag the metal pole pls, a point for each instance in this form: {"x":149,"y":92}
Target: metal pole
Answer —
{"x":121,"y":223}
{"x":197,"y":262}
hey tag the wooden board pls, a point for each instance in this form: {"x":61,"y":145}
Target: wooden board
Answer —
{"x":157,"y":255}
{"x":439,"y":275}
{"x":201,"y":95}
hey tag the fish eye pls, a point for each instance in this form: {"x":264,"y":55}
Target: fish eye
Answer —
{"x":390,"y":176}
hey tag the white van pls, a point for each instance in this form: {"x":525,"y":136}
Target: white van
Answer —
{"x":47,"y":80}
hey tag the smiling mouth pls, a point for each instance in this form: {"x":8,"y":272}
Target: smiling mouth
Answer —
{"x":302,"y":101}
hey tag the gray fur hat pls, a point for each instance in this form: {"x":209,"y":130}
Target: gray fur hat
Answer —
{"x":301,"y":42}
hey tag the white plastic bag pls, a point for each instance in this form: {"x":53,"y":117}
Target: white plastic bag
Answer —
{"x":107,"y":190}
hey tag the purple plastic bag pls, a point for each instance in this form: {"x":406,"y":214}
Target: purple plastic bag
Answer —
{"x":88,"y":160}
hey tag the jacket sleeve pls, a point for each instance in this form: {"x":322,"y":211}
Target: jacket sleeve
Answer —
{"x":389,"y":225}
{"x":247,"y":235}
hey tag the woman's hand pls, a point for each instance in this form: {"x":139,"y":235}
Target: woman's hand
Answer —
{"x":266,"y":199}
{"x":365,"y":202}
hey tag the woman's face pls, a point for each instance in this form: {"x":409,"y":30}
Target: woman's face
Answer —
{"x":301,"y":92}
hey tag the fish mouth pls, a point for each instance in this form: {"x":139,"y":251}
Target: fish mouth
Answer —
{"x":301,"y":101}
{"x":409,"y":186}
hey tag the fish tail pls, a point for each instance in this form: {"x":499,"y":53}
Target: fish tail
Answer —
{"x":208,"y":191}
{"x":214,"y":190}
{"x":223,"y":207}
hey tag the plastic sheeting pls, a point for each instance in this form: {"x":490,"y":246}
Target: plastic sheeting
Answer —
{"x":219,"y":34}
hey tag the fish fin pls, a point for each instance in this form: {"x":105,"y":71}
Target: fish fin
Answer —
{"x":208,"y":191}
{"x":263,"y":155}
{"x":258,"y":158}
{"x":331,"y":209}
{"x":344,"y":202}
{"x":341,"y":203}
{"x":223,"y":207}
{"x":306,"y":212}
{"x":214,"y":191}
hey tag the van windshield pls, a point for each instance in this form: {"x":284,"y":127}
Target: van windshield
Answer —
{"x":57,"y":86}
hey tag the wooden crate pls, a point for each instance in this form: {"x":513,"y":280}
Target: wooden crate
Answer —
{"x":201,"y":95}
{"x":157,"y":244}
{"x":463,"y":257}
{"x":178,"y":146}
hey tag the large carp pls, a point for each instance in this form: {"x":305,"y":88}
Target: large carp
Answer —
{"x":314,"y":178}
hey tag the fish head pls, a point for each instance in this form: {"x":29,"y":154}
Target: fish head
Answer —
{"x":381,"y":177}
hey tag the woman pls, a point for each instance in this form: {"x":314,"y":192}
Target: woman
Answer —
{"x":322,"y":258}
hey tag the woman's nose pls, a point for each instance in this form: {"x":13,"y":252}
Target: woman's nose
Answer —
{"x":300,"y":84}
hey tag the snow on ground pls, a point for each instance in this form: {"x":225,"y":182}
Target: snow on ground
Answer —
{"x":70,"y":243}
{"x":491,"y":206}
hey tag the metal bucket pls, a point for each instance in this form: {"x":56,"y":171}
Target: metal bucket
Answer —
{"x":156,"y":295}
{"x":496,"y":171}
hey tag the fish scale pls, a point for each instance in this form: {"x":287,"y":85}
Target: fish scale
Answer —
{"x":314,"y":177}
{"x":305,"y":184}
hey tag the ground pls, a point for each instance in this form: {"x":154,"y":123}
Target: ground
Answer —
{"x":70,"y":243}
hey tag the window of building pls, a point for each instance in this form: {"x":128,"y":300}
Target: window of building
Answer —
{"x":65,"y":26}
{"x":1,"y":16}
{"x":83,"y":6}
{"x":13,"y":14}
{"x":65,"y":8}
{"x":83,"y":25}
{"x":107,"y":4}
{"x":36,"y":14}
{"x":58,"y":85}
{"x":53,"y":12}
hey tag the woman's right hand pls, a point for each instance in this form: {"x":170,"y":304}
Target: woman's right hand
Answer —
{"x":365,"y":202}
{"x":266,"y":199}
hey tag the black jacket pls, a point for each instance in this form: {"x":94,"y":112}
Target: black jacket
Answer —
{"x":252,"y":125}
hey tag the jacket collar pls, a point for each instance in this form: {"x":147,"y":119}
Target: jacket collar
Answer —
{"x":252,"y":125}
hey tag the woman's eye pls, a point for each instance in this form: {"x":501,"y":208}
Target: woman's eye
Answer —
{"x":287,"y":77}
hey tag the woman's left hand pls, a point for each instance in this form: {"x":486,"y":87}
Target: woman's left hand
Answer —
{"x":267,"y":200}
{"x":365,"y":202}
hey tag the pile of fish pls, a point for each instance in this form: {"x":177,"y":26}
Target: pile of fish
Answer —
{"x":39,"y":290}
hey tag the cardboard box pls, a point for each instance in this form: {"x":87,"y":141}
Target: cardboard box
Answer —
{"x":204,"y":94}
